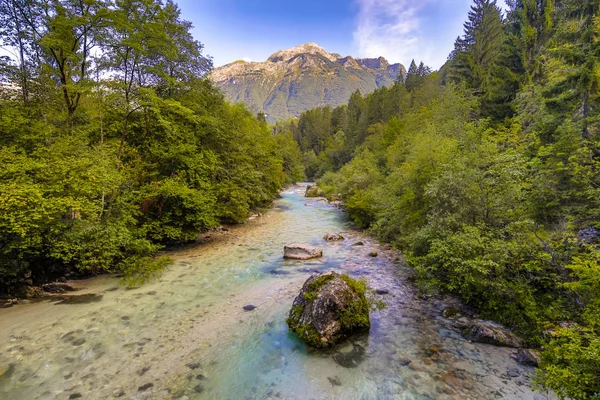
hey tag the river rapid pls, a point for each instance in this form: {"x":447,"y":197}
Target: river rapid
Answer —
{"x":186,"y":335}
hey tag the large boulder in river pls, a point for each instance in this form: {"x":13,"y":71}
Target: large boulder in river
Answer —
{"x":491,"y":333}
{"x":329,"y":308}
{"x":301,"y":251}
{"x":313,"y":191}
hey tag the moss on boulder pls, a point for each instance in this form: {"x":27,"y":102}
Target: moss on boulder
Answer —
{"x":313,"y":191}
{"x":330,"y":308}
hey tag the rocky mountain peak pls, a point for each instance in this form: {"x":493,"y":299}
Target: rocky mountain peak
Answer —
{"x":307,"y":48}
{"x":294,"y":80}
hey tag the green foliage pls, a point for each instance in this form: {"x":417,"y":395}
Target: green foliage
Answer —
{"x":571,"y":359}
{"x":490,"y":185}
{"x":99,"y":175}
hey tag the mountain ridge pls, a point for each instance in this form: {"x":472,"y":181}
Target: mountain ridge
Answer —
{"x":297,"y":79}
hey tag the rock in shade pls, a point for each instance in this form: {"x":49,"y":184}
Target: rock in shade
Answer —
{"x":249,"y":307}
{"x":301,"y":251}
{"x":373,"y":254}
{"x":492,"y":333}
{"x":528,"y":357}
{"x":381,"y":291}
{"x":329,"y":308}
{"x":57,"y":287}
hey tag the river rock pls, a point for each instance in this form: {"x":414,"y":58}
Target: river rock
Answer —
{"x":313,"y":191}
{"x":249,"y":307}
{"x":492,"y":333}
{"x":333,"y":237}
{"x":329,"y":308}
{"x":300,"y":251}
{"x":528,"y":357}
{"x":57,"y":287}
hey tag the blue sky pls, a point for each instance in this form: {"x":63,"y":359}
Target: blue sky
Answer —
{"x":398,"y":30}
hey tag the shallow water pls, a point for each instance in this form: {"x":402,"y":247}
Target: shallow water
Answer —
{"x":186,"y":335}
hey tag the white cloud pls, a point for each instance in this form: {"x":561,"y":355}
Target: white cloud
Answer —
{"x":395,"y":29}
{"x":247,"y":59}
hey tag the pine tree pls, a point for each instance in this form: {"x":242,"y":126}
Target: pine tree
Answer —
{"x":476,"y":51}
{"x":411,"y":76}
{"x":575,"y":64}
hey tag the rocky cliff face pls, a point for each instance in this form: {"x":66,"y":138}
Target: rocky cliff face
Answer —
{"x":295,"y":80}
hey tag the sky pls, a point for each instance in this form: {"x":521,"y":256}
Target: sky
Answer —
{"x":399,"y":30}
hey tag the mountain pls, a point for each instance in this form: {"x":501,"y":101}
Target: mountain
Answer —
{"x":295,"y":80}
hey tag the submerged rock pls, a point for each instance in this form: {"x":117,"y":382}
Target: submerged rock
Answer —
{"x":249,"y":307}
{"x":300,"y":251}
{"x":335,"y":380}
{"x":333,"y":237}
{"x":352,"y":358}
{"x":492,"y":333}
{"x":79,"y":299}
{"x":329,"y":308}
{"x":145,"y":387}
{"x":313,"y":191}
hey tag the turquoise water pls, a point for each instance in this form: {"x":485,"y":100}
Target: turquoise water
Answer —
{"x":186,"y":335}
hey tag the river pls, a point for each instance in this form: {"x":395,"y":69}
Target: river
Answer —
{"x":187,"y":336}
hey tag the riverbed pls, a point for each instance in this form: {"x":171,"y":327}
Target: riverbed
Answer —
{"x":187,"y":336}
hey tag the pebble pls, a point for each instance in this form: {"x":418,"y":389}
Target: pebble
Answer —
{"x":513,"y":373}
{"x":249,"y":307}
{"x":198,"y":388}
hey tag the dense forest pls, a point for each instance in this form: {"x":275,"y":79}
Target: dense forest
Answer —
{"x":113,"y":143}
{"x":486,"y":175}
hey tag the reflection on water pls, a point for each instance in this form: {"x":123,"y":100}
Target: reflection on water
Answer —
{"x":188,"y":336}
